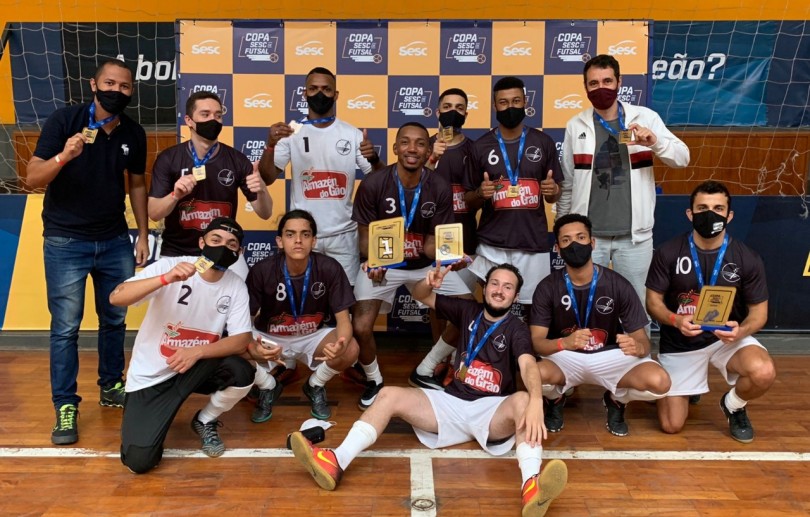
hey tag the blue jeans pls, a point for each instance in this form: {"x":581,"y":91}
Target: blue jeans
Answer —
{"x":67,"y":264}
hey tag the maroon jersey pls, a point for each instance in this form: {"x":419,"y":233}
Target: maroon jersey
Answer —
{"x":517,"y":223}
{"x":616,"y":309}
{"x":455,"y":165}
{"x":329,"y":292}
{"x":493,"y":371}
{"x":378,"y":198}
{"x":673,"y":274}
{"x":215,"y":196}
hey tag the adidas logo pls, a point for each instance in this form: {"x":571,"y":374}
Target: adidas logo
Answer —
{"x":582,"y":136}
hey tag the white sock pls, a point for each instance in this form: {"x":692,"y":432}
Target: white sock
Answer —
{"x":263,"y":379}
{"x":361,"y":436}
{"x":439,"y":351}
{"x":529,"y":460}
{"x":552,"y":391}
{"x":222,"y":401}
{"x":322,"y":375}
{"x":373,"y":371}
{"x":629,"y":394}
{"x":733,"y":401}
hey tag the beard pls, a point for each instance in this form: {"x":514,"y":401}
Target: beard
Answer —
{"x":494,"y":311}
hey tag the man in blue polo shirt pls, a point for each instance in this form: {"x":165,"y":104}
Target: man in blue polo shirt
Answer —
{"x":81,"y":157}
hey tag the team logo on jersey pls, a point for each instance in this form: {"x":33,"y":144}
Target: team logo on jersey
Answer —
{"x":325,"y":184}
{"x":223,"y":304}
{"x":175,"y":335}
{"x":529,"y":197}
{"x":343,"y":147}
{"x":318,"y":289}
{"x":196,"y":214}
{"x":226,"y":177}
{"x":687,"y":302}
{"x":459,"y":205}
{"x":285,"y":325}
{"x":533,"y":154}
{"x":604,"y":305}
{"x":499,"y":343}
{"x":482,"y":376}
{"x":596,"y":342}
{"x":428,"y":209}
{"x":413,"y":245}
{"x":731,"y":272}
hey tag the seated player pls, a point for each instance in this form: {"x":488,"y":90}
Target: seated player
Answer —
{"x":482,"y":403}
{"x":588,"y":324}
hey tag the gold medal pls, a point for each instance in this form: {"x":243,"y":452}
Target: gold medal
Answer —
{"x":462,"y":372}
{"x":90,"y":134}
{"x":513,"y":191}
{"x":447,"y":134}
{"x":625,"y":137}
{"x":199,"y":173}
{"x":203,"y":264}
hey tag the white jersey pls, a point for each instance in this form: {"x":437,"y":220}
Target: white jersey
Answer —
{"x":324,"y":161}
{"x":184,"y":314}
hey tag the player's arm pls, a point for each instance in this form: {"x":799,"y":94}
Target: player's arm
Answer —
{"x":753,"y":323}
{"x":635,"y":343}
{"x":267,"y":165}
{"x":662,"y":142}
{"x":344,"y":325}
{"x":138,"y":200}
{"x":659,"y":311}
{"x":423,"y":290}
{"x":532,"y":417}
{"x":263,"y":204}
{"x":40,"y":172}
{"x":540,"y":342}
{"x":158,"y":205}
{"x":362,"y":241}
{"x":131,"y":292}
{"x":429,"y":246}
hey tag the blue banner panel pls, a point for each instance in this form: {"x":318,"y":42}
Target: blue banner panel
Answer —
{"x":37,"y":70}
{"x":788,"y":91}
{"x":12,"y":208}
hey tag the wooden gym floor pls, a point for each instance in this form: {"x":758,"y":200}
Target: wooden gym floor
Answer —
{"x":699,"y":472}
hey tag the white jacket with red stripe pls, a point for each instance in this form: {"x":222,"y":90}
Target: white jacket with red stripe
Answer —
{"x":577,"y":165}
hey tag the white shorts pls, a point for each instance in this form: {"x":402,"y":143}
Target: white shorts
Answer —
{"x":604,"y":369}
{"x":533,"y":267}
{"x":463,"y":420}
{"x":298,"y":348}
{"x":689,"y":371}
{"x":343,"y":248}
{"x":364,"y":288}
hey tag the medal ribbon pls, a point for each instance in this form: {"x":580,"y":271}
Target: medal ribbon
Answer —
{"x":197,"y":161}
{"x":472,"y":353}
{"x":92,"y":124}
{"x":513,"y":174}
{"x":403,"y":207}
{"x":607,"y":126}
{"x":296,"y":312}
{"x":323,"y":120}
{"x":570,"y":287}
{"x":717,"y":263}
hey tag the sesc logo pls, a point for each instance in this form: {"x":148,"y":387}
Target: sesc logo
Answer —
{"x":260,"y":100}
{"x":472,"y":102}
{"x":623,"y":48}
{"x":518,"y":48}
{"x":414,"y":48}
{"x":569,"y":102}
{"x":208,"y":47}
{"x":310,"y":48}
{"x":362,"y":102}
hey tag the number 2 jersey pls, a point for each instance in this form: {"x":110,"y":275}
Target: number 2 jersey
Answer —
{"x":673,"y":275}
{"x":329,"y":292}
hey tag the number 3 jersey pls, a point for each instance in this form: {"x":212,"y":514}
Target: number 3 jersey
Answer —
{"x":183,"y":314}
{"x":324,"y":161}
{"x":329,"y":292}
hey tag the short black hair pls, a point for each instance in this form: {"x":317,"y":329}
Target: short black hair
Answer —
{"x":298,"y":214}
{"x":571,"y":218}
{"x":194,"y":97}
{"x":709,"y":187}
{"x":507,"y":83}
{"x":453,"y":91}
{"x":507,"y":267}
{"x":112,"y":62}
{"x":322,"y":71}
{"x":414,"y":124}
{"x":601,"y":61}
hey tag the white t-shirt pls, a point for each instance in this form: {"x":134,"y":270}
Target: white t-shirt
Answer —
{"x":324,"y":161}
{"x":184,"y":314}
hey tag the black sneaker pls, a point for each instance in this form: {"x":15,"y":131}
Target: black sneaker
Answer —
{"x":553,"y":413}
{"x":66,"y":430}
{"x":320,"y":406}
{"x":738,"y":423}
{"x":615,"y":415}
{"x":369,"y":395}
{"x":212,"y":445}
{"x":253,"y":395}
{"x":264,"y":405}
{"x":427,"y":382}
{"x":113,"y":395}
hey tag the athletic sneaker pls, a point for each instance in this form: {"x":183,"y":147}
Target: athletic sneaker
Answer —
{"x":321,"y":463}
{"x":264,"y":405}
{"x":694,"y":400}
{"x":253,"y":395}
{"x":369,"y":395}
{"x":66,"y":430}
{"x":615,"y":415}
{"x":738,"y":423}
{"x":427,"y":382}
{"x":317,"y":396}
{"x":541,"y":489}
{"x":553,"y":414}
{"x":212,"y":445}
{"x":112,"y":395}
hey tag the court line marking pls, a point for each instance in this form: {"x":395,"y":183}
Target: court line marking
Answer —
{"x":423,"y":497}
{"x":73,"y":452}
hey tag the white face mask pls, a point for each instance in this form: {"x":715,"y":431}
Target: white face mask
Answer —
{"x":314,"y":422}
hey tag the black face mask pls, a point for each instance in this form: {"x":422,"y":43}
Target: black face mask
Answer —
{"x":320,"y":103}
{"x":221,"y":256}
{"x":709,"y":223}
{"x":510,"y":117}
{"x":209,"y":129}
{"x":495,"y":313}
{"x":451,"y":118}
{"x":576,"y":255}
{"x":112,"y":101}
